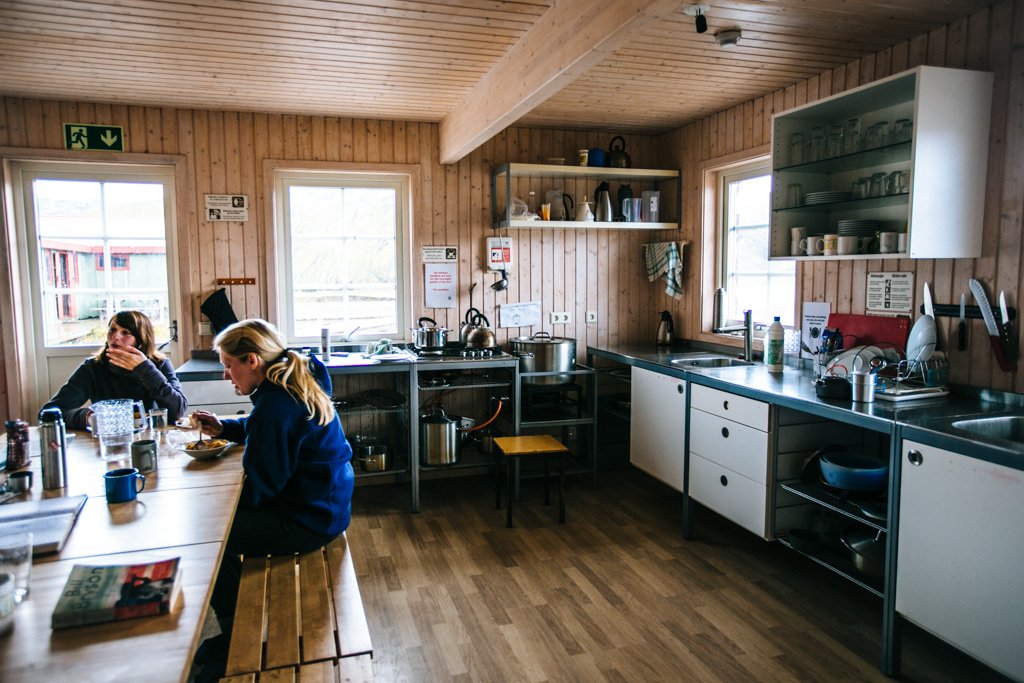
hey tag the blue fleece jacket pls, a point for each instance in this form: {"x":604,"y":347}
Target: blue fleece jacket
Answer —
{"x":293,"y":465}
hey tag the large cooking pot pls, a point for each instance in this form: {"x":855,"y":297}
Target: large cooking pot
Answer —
{"x":867,"y":549}
{"x":439,"y":439}
{"x":550,"y":354}
{"x":429,"y":338}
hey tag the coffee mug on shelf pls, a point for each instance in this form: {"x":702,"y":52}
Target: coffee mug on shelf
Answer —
{"x":812,"y":246}
{"x":123,"y":485}
{"x":847,"y":244}
{"x":830,"y":245}
{"x":888,"y":242}
{"x":901,"y":242}
{"x":797,"y":246}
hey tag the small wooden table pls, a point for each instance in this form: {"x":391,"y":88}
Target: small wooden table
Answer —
{"x":185,"y":510}
{"x":514,"y":447}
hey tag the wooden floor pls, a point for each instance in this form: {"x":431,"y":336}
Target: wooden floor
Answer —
{"x":615,"y":594}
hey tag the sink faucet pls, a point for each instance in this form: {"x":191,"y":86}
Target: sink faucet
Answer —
{"x":747,"y":328}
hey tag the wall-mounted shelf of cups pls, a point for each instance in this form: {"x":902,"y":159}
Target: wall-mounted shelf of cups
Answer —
{"x":517,"y":180}
{"x":903,"y":126}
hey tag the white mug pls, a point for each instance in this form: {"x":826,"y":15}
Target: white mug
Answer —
{"x":888,"y":242}
{"x":830,"y":245}
{"x":901,"y":242}
{"x":847,"y":244}
{"x":796,"y":236}
{"x":812,"y":246}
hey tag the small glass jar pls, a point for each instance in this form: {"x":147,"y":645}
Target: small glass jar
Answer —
{"x":17,"y":444}
{"x":583,"y":157}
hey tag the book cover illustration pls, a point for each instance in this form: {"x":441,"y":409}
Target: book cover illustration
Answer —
{"x":95,"y":594}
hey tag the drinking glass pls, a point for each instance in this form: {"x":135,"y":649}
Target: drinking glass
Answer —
{"x":851,"y":136}
{"x":796,"y":148}
{"x":818,"y":147}
{"x":16,"y":561}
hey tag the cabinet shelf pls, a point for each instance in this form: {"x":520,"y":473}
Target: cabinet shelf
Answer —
{"x":850,"y":205}
{"x":584,"y":225}
{"x":818,"y":493}
{"x":463,"y":383}
{"x":835,"y":562}
{"x":868,"y":158}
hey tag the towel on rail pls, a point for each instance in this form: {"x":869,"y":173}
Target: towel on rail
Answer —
{"x":665,"y":258}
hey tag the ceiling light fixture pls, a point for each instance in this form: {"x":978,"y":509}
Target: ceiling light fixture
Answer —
{"x":728,"y":37}
{"x":699,"y":13}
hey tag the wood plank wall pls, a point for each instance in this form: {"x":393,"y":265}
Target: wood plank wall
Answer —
{"x":991,"y":40}
{"x":565,"y":270}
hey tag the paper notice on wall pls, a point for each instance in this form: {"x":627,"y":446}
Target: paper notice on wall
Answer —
{"x":439,"y":280}
{"x":519,"y":315}
{"x":439,"y":254}
{"x":227,"y":207}
{"x":890,"y":292}
{"x":815,"y":317}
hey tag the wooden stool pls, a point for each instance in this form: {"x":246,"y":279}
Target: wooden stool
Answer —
{"x":514,"y":447}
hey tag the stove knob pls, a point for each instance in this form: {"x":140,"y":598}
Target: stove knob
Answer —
{"x":486,"y":353}
{"x":466,"y":353}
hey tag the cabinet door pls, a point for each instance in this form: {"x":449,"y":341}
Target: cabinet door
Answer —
{"x":658,"y":425}
{"x":960,"y":567}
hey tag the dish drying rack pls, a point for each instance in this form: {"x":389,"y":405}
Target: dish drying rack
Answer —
{"x":902,"y":380}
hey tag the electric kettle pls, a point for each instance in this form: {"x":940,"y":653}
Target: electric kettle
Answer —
{"x":666,"y":330}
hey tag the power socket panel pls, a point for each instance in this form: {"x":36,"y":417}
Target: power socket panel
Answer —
{"x":560,"y":318}
{"x":591,"y":317}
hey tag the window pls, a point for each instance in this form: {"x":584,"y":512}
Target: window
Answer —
{"x":750,"y":280}
{"x":80,"y":221}
{"x":343,"y":261}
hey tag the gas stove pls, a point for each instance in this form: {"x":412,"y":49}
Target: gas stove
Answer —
{"x":459,"y":352}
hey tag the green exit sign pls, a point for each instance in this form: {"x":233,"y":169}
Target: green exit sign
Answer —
{"x":95,"y":137}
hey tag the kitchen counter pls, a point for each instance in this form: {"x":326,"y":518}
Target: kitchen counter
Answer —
{"x":927,"y":420}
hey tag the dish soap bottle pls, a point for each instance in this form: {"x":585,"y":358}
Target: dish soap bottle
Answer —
{"x":774,"y":340}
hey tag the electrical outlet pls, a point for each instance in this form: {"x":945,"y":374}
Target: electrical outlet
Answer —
{"x":205,"y":329}
{"x":560,"y":318}
{"x":591,"y":317}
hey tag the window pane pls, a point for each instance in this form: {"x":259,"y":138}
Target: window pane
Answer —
{"x":87,"y":273}
{"x":751,"y":280}
{"x":343,"y":239}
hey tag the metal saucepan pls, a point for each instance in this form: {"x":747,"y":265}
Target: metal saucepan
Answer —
{"x":430,"y":338}
{"x":550,"y":354}
{"x":481,"y":336}
{"x":373,"y":458}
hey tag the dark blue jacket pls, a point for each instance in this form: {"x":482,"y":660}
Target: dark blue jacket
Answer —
{"x":97,"y":380}
{"x":293,"y":465}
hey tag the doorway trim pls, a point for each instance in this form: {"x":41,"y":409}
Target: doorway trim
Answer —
{"x":14,"y":337}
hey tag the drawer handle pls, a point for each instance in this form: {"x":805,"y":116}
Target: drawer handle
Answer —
{"x":725,"y":405}
{"x":725,"y":432}
{"x":724,"y":479}
{"x":915,"y":457}
{"x":680,"y":388}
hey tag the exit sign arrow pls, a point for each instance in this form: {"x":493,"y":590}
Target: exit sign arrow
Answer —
{"x":89,"y":136}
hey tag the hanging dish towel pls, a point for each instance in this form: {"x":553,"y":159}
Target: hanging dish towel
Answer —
{"x":665,"y":258}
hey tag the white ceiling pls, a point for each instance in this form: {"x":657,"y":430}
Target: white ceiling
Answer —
{"x":419,"y":59}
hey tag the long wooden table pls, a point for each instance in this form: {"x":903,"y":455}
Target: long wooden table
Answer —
{"x":185,"y":510}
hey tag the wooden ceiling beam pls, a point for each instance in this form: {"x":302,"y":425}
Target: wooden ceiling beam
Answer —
{"x":566,"y":41}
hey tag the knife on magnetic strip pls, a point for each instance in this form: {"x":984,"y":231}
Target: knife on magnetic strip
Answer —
{"x":1006,"y":329}
{"x":994,"y":337}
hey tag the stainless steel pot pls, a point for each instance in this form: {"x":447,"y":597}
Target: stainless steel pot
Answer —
{"x":373,"y":458}
{"x":550,"y":354}
{"x":439,"y":439}
{"x":430,"y":338}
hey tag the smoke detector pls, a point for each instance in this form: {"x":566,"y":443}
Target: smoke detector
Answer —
{"x":728,"y":37}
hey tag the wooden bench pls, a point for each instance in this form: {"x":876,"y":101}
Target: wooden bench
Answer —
{"x":300,"y":615}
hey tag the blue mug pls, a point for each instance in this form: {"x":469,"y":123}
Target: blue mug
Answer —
{"x":123,"y":485}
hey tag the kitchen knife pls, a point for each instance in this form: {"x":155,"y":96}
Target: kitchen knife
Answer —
{"x":962,"y":327}
{"x":1006,"y":328}
{"x":929,"y":308}
{"x":1002,"y":307}
{"x":994,"y":338}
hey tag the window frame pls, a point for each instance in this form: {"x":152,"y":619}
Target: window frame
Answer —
{"x":277,"y":172}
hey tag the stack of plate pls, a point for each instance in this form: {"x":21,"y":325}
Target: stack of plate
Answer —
{"x":858,"y":228}
{"x":827,"y":197}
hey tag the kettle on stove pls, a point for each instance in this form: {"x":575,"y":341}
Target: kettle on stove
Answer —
{"x":666,"y":330}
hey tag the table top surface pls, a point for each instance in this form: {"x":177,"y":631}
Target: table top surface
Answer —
{"x":184,"y":511}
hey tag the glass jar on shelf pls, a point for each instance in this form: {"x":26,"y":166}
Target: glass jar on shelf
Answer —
{"x":851,"y":136}
{"x":835,"y":141}
{"x":797,"y":148}
{"x":902,"y":130}
{"x":818,"y":144}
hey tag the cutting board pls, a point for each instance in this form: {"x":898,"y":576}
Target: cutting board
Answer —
{"x":871,"y":330}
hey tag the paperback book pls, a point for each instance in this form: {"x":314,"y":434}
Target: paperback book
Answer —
{"x":95,"y":594}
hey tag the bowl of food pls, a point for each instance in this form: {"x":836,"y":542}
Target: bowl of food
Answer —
{"x":206,"y":448}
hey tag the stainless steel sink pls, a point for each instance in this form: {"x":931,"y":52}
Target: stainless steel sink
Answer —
{"x":1006,"y":427}
{"x":711,"y":362}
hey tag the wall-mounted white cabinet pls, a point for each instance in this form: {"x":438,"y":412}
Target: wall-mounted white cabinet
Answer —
{"x":821,"y":152}
{"x":515,"y":180}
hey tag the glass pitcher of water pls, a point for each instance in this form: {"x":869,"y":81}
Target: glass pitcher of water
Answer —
{"x":115,"y":423}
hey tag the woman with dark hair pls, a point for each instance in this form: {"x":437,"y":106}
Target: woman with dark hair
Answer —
{"x":297,"y":494}
{"x":128,"y":366}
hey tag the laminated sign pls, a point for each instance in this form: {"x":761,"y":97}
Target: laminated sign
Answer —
{"x":227,"y":207}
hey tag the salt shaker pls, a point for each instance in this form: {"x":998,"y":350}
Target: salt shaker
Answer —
{"x":53,"y":448}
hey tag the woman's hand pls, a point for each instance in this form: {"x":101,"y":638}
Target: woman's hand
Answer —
{"x":127,"y":358}
{"x":208,"y":423}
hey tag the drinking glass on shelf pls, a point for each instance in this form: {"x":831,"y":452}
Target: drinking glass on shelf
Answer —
{"x":835,"y":141}
{"x":851,"y":136}
{"x":818,"y":148}
{"x":796,"y":148}
{"x":884,"y":137}
{"x":861,"y":188}
{"x":902,"y":130}
{"x":877,"y":185}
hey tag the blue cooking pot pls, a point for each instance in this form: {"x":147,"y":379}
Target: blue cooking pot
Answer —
{"x":853,"y":471}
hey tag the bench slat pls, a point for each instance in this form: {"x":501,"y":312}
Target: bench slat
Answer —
{"x":282,"y":620}
{"x":318,"y":620}
{"x":279,"y":676}
{"x":245,"y":653}
{"x":353,"y":631}
{"x":239,"y":678}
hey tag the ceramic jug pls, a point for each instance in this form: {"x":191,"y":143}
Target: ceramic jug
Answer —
{"x":584,"y":210}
